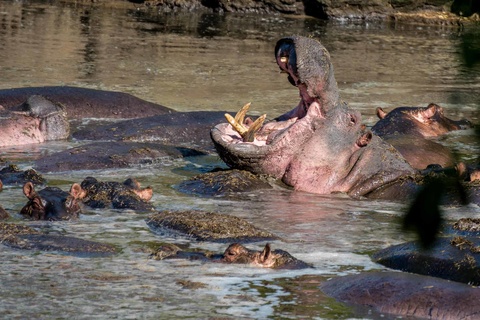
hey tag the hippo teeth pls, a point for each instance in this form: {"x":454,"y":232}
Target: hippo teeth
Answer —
{"x":247,"y":133}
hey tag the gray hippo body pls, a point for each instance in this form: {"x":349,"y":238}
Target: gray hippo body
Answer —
{"x":86,"y":103}
{"x":406,"y":295}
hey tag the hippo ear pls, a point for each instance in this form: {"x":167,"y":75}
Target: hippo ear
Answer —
{"x":265,"y":253}
{"x":29,"y":190}
{"x":364,"y":139}
{"x":77,"y":192}
{"x":145,"y":193}
{"x":381,"y":113}
{"x":430,"y":111}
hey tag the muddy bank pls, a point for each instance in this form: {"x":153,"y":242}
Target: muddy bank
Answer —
{"x":421,"y":11}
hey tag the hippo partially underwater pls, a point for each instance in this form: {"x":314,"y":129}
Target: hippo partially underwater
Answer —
{"x":320,"y":146}
{"x":34,"y":121}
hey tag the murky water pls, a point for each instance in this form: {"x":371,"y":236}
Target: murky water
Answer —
{"x":212,"y":62}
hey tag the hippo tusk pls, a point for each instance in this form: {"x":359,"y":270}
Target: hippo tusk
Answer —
{"x":248,"y":134}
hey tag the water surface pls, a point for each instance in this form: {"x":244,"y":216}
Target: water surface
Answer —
{"x":214,"y":62}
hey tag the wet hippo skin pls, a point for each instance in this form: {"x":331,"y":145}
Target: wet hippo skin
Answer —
{"x":406,"y":295}
{"x":86,"y":103}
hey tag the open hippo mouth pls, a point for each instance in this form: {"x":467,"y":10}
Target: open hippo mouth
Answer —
{"x":320,"y":146}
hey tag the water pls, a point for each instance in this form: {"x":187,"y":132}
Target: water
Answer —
{"x":214,"y":62}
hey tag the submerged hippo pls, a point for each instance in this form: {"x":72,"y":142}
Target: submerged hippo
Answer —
{"x":276,"y":259}
{"x":126,"y":195}
{"x":406,"y":295}
{"x":86,"y":103}
{"x":427,"y":121}
{"x":407,"y":128}
{"x":34,"y":121}
{"x":51,"y":203}
{"x":235,"y":253}
{"x":12,"y":175}
{"x":25,"y":238}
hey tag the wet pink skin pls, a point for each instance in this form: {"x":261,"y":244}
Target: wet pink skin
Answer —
{"x":19,"y":129}
{"x":321,"y":145}
{"x":320,"y":153}
{"x":39,"y":122}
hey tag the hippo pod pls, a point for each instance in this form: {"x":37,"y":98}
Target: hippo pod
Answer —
{"x":34,"y":121}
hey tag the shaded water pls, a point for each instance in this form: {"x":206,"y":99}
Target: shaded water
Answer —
{"x":213,"y":62}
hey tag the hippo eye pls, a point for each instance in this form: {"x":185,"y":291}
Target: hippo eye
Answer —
{"x":230,"y":253}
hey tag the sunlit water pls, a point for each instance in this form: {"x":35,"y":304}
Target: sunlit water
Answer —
{"x":213,"y":62}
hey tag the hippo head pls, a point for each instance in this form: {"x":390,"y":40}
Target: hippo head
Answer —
{"x":427,"y":121}
{"x":236,"y":253}
{"x":322,"y":150}
{"x":35,"y":121}
{"x":307,"y":63}
{"x":267,"y":258}
{"x":51,"y":203}
{"x":53,"y":117}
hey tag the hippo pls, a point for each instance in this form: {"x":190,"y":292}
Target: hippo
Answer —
{"x":112,"y":154}
{"x":322,"y":147}
{"x":307,"y":63}
{"x":126,"y":195}
{"x":25,"y":238}
{"x":207,"y":226}
{"x":407,"y":127}
{"x":187,"y":129}
{"x":51,"y":203}
{"x":405,"y":295}
{"x":36,"y":120}
{"x":424,"y":122}
{"x":320,"y":153}
{"x":235,"y":253}
{"x":454,"y":255}
{"x":82,"y":103}
{"x":276,"y":259}
{"x":12,"y":175}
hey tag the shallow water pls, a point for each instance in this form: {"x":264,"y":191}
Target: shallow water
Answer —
{"x":214,"y":62}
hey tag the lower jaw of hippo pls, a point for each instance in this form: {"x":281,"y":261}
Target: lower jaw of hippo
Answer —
{"x":273,"y":144}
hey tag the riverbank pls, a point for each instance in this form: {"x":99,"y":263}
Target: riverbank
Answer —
{"x":443,"y":12}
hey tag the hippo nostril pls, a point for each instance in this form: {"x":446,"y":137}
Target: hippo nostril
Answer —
{"x":353,"y":120}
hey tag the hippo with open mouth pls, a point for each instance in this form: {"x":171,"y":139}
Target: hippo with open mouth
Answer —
{"x":321,"y":145}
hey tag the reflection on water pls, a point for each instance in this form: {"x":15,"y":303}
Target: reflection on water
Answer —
{"x":214,"y":62}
